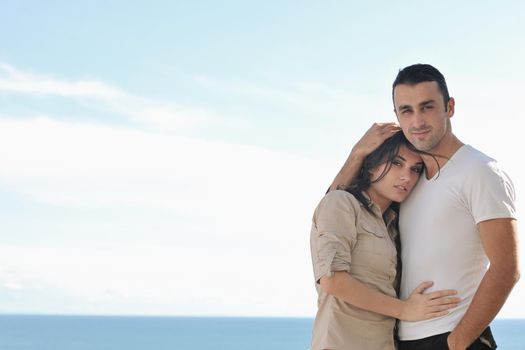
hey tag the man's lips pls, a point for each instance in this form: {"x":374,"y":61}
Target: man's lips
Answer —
{"x":420,"y":133}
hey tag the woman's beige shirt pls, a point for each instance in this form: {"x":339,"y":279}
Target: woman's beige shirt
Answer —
{"x":347,"y":237}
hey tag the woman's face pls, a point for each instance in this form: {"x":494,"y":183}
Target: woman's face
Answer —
{"x":397,"y":184}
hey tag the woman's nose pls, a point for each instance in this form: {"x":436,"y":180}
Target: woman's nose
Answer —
{"x":406,"y":174}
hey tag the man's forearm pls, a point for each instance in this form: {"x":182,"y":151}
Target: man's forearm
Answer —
{"x":494,"y":289}
{"x":348,"y":172}
{"x":500,"y":242}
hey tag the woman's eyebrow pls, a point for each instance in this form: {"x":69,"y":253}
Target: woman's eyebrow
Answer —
{"x":403,"y":159}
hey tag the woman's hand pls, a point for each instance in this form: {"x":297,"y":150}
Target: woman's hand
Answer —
{"x":421,"y":306}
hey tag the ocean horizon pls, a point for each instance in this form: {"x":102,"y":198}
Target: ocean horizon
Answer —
{"x":78,"y":332}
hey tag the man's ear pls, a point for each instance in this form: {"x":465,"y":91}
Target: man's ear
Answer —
{"x":450,"y":107}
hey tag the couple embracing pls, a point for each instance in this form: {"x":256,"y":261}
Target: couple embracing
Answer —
{"x":414,"y":246}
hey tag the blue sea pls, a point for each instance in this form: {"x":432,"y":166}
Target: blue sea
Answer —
{"x":25,"y":332}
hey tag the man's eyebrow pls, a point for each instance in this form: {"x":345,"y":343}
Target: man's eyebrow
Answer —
{"x":427,"y":102}
{"x":421,"y":104}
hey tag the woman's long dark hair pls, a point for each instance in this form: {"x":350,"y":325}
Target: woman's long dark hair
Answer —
{"x":385,"y":153}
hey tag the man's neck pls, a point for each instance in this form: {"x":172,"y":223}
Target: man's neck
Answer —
{"x":443,"y":152}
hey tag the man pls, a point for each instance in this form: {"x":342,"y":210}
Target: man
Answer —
{"x":459,"y":219}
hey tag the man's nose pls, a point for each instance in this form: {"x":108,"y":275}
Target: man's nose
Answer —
{"x":419,"y":120}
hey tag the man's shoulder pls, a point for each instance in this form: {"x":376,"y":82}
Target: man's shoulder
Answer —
{"x":477,"y":169}
{"x":475,"y":154}
{"x":476,"y":160}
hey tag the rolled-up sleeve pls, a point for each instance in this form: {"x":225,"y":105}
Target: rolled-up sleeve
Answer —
{"x":333,"y":234}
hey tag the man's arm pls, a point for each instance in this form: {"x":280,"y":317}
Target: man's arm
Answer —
{"x":374,"y":137}
{"x":499,"y":239}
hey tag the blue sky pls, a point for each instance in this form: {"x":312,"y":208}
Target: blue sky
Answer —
{"x":165,"y":157}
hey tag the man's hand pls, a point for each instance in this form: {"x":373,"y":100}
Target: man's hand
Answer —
{"x":374,"y":137}
{"x":455,"y":344}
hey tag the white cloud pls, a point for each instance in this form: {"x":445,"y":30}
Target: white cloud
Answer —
{"x":14,"y":80}
{"x":12,"y":285}
{"x":154,"y":280}
{"x":307,"y":97}
{"x":258,"y":204}
{"x":146,"y":112}
{"x":125,"y":162}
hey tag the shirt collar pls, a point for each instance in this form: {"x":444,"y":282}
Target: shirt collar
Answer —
{"x":389,"y":215}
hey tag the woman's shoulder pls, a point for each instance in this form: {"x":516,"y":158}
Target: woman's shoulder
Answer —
{"x":340,"y":194}
{"x":336,"y":205}
{"x":340,"y":198}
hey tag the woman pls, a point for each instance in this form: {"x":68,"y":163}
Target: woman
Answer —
{"x":354,"y":255}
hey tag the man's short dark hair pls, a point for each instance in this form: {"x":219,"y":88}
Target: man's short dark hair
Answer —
{"x":419,"y":73}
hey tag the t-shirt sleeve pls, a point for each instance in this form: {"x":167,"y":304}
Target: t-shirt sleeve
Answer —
{"x":491,"y":194}
{"x":333,"y":234}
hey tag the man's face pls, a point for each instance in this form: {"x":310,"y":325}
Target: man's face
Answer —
{"x":422,"y":115}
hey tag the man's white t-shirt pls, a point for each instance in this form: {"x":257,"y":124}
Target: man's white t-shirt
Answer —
{"x":439,"y":237}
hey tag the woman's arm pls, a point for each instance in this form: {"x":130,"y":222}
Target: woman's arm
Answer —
{"x":417,"y":307}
